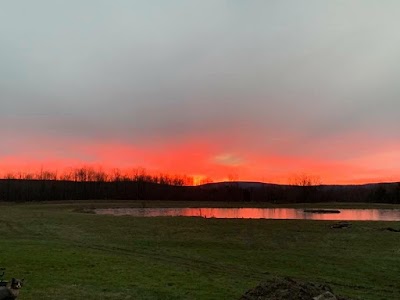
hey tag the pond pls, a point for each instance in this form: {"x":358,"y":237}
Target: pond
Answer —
{"x":260,"y":213}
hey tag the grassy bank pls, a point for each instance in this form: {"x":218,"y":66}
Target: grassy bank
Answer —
{"x":68,"y":255}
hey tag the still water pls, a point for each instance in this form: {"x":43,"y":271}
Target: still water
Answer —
{"x":257,"y":213}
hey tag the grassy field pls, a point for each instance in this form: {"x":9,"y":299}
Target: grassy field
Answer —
{"x":64,"y":254}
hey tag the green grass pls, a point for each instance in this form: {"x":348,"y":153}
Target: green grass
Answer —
{"x":68,"y":255}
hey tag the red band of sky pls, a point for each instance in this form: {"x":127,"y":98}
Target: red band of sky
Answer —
{"x":200,"y":158}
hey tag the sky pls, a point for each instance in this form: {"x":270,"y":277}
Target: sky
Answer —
{"x":250,"y":90}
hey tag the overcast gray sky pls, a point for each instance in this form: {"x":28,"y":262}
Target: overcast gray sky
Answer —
{"x":263,"y":89}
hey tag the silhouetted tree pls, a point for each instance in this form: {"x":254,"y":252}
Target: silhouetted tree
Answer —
{"x":307,"y":187}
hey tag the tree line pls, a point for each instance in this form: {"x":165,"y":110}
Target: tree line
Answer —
{"x":22,"y":190}
{"x":91,"y":174}
{"x":86,"y":183}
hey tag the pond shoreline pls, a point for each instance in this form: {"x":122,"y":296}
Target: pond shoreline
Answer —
{"x":256,"y":213}
{"x":112,"y":203}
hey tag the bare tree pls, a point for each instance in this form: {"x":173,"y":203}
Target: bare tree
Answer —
{"x":305,"y":180}
{"x":307,"y":187}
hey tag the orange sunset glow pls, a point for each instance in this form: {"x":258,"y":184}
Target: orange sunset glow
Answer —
{"x":204,"y":162}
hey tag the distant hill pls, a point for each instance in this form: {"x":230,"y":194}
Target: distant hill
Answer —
{"x":241,"y":184}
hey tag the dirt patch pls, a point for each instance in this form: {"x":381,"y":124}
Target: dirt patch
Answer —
{"x":84,"y":210}
{"x":390,"y":229}
{"x":290,"y":289}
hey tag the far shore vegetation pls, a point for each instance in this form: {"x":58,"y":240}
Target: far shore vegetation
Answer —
{"x":89,"y":183}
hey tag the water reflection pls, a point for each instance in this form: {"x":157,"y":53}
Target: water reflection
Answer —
{"x":258,"y":213}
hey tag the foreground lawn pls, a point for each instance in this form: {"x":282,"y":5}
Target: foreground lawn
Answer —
{"x":64,"y":254}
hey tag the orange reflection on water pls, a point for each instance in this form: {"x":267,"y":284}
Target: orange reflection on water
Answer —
{"x":258,"y":213}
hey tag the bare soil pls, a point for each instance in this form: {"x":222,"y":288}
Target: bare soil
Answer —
{"x":288,"y":289}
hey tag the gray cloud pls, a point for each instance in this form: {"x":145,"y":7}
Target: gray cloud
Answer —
{"x":139,"y":70}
